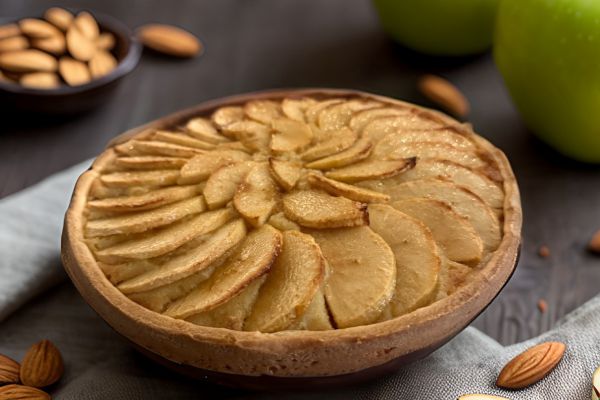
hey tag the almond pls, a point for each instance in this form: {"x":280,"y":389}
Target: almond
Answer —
{"x":37,"y":28}
{"x":106,"y":41}
{"x":74,"y":72}
{"x":102,"y":64}
{"x":59,"y":17}
{"x":27,"y":61}
{"x":9,"y":370}
{"x":542,"y":305}
{"x":169,"y":40}
{"x":531,"y":366}
{"x":42,"y":365}
{"x":9,"y":30}
{"x":596,"y":385}
{"x":53,"y":44}
{"x":481,"y":397}
{"x":544,"y":251}
{"x":79,"y":45}
{"x":40,"y":80}
{"x":20,"y":392}
{"x":594,"y":245}
{"x":13,"y":43}
{"x":87,"y":25}
{"x":445,"y":94}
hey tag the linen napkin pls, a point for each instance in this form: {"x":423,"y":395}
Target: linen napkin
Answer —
{"x":102,"y":365}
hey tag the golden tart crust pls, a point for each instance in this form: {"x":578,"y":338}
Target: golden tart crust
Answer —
{"x":457,"y":177}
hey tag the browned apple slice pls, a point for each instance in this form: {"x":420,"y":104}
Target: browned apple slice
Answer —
{"x":390,"y":142}
{"x":202,"y":166}
{"x":371,"y":169}
{"x":360,"y":150}
{"x":452,"y":232}
{"x":249,"y":262}
{"x":146,"y":201}
{"x":141,"y":147}
{"x":418,"y":260}
{"x":380,"y":127}
{"x":150,"y":162}
{"x":425,"y":150}
{"x":253,"y":135}
{"x":216,"y":245}
{"x":182,"y":139}
{"x":348,"y":191}
{"x":281,"y":222}
{"x":140,"y":178}
{"x":289,"y":135}
{"x":222,"y":184}
{"x":118,"y":273}
{"x":336,"y":142}
{"x":453,"y":275}
{"x":362,"y":274}
{"x":203,"y":129}
{"x":263,"y":111}
{"x":316,"y":317}
{"x":296,"y":108}
{"x":235,"y":145}
{"x":337,"y":116}
{"x":144,"y":220}
{"x":256,"y":197}
{"x":312,"y":112}
{"x":285,"y":173}
{"x":362,"y":118}
{"x":315,"y":209}
{"x":169,"y":238}
{"x":291,"y":284}
{"x":226,"y":116}
{"x":231,"y":315}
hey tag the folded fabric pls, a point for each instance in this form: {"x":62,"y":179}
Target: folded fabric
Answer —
{"x":100,"y":364}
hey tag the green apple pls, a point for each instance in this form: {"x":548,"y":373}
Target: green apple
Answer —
{"x":439,"y":27}
{"x":548,"y":52}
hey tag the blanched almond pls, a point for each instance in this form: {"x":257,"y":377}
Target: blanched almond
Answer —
{"x":9,"y":30}
{"x":102,"y":63}
{"x":169,"y":40}
{"x":55,"y":44}
{"x":106,"y":41}
{"x":13,"y":43}
{"x":74,"y":72}
{"x":444,"y":93}
{"x":59,"y":17}
{"x":87,"y":25}
{"x":40,"y":80}
{"x":28,"y":61}
{"x":37,"y":28}
{"x":80,"y":46}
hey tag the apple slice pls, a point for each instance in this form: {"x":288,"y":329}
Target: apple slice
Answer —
{"x":296,"y":108}
{"x":348,"y":191}
{"x":256,"y":197}
{"x":226,"y":116}
{"x":371,"y":169}
{"x":150,"y":162}
{"x":142,"y":147}
{"x":290,"y":286}
{"x":392,"y":141}
{"x":146,"y":201}
{"x":235,"y":145}
{"x":231,"y":315}
{"x":285,"y":173}
{"x":360,"y":150}
{"x":250,"y":261}
{"x":465,"y":203}
{"x":362,"y":118}
{"x":596,"y":385}
{"x":281,"y":222}
{"x":335,"y":142}
{"x":163,"y":177}
{"x":315,"y":209}
{"x":222,"y":184}
{"x":167,"y":239}
{"x":182,"y":139}
{"x":253,"y":135}
{"x":417,"y":256}
{"x":145,"y":220}
{"x":316,"y":317}
{"x":202,"y":256}
{"x":203,"y":129}
{"x":362,"y":274}
{"x":337,"y":116}
{"x":202,"y":166}
{"x":380,"y":127}
{"x":312,"y":112}
{"x":425,"y":150}
{"x":289,"y":135}
{"x":453,"y":276}
{"x":263,"y":111}
{"x":451,"y":231}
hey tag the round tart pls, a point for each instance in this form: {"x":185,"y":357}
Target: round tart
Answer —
{"x":268,"y":234}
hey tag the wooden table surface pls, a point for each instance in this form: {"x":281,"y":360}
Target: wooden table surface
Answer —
{"x":261,"y":44}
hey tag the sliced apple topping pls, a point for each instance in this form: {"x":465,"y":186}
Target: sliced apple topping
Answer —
{"x":145,"y":220}
{"x":424,"y":150}
{"x":453,"y":276}
{"x":202,"y":166}
{"x":417,"y":257}
{"x":360,"y":150}
{"x":141,"y":147}
{"x":215,"y":246}
{"x":146,"y":201}
{"x":338,"y":116}
{"x":343,"y":189}
{"x":392,"y":141}
{"x":150,"y":162}
{"x":253,"y":135}
{"x":250,"y":261}
{"x":362,"y":118}
{"x":182,"y":139}
{"x":316,"y":317}
{"x":285,"y":173}
{"x":257,"y":196}
{"x":371,"y":169}
{"x":140,"y":178}
{"x":281,"y":222}
{"x":335,"y":142}
{"x":203,"y":129}
{"x":289,"y":135}
{"x":452,"y":232}
{"x":315,"y":209}
{"x":226,"y":116}
{"x":291,"y":284}
{"x":296,"y":108}
{"x":312,"y":112}
{"x":263,"y":111}
{"x":362,"y":274}
{"x":380,"y":127}
{"x":222,"y":184}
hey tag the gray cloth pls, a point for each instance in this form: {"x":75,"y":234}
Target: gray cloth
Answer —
{"x":102,"y":365}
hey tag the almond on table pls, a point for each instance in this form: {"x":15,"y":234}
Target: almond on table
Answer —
{"x":445,"y":94}
{"x":169,"y":40}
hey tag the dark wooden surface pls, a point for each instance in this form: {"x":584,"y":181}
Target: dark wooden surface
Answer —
{"x":252,"y":45}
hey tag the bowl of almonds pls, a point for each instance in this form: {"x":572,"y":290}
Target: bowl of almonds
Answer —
{"x":64,"y":62}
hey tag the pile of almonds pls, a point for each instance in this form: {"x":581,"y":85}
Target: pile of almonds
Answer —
{"x":41,"y":367}
{"x":60,"y":49}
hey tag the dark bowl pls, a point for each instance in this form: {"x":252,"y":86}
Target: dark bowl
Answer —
{"x":74,"y":99}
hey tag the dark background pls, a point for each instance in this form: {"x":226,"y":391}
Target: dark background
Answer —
{"x":253,"y":45}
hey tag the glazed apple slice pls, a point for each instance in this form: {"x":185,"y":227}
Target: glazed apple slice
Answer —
{"x":425,"y":150}
{"x":145,"y":220}
{"x":316,"y":317}
{"x":216,"y":245}
{"x":146,"y":201}
{"x":337,"y":116}
{"x":163,"y":177}
{"x":182,"y":139}
{"x":150,"y":162}
{"x":417,"y":257}
{"x":312,"y":112}
{"x":263,"y":111}
{"x":337,"y":141}
{"x":256,"y":197}
{"x":316,"y":209}
{"x":281,"y":222}
{"x":453,"y":275}
{"x":296,"y":108}
{"x":380,"y":127}
{"x":225,"y":116}
{"x":371,"y":169}
{"x":452,"y":232}
{"x":253,"y":135}
{"x":348,"y":191}
{"x":362,"y":118}
{"x":360,"y":150}
{"x":285,"y":173}
{"x":222,"y":184}
{"x":289,"y":135}
{"x":203,"y":129}
{"x":142,"y":147}
{"x":250,"y":261}
{"x":202,"y":166}
{"x":290,"y":286}
{"x":362,"y":276}
{"x":447,"y":136}
{"x":117,"y":273}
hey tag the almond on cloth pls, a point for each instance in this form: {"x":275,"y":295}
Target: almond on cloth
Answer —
{"x":9,"y":370}
{"x":445,"y":94}
{"x":531,"y":366}
{"x":20,"y":392}
{"x":42,"y":365}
